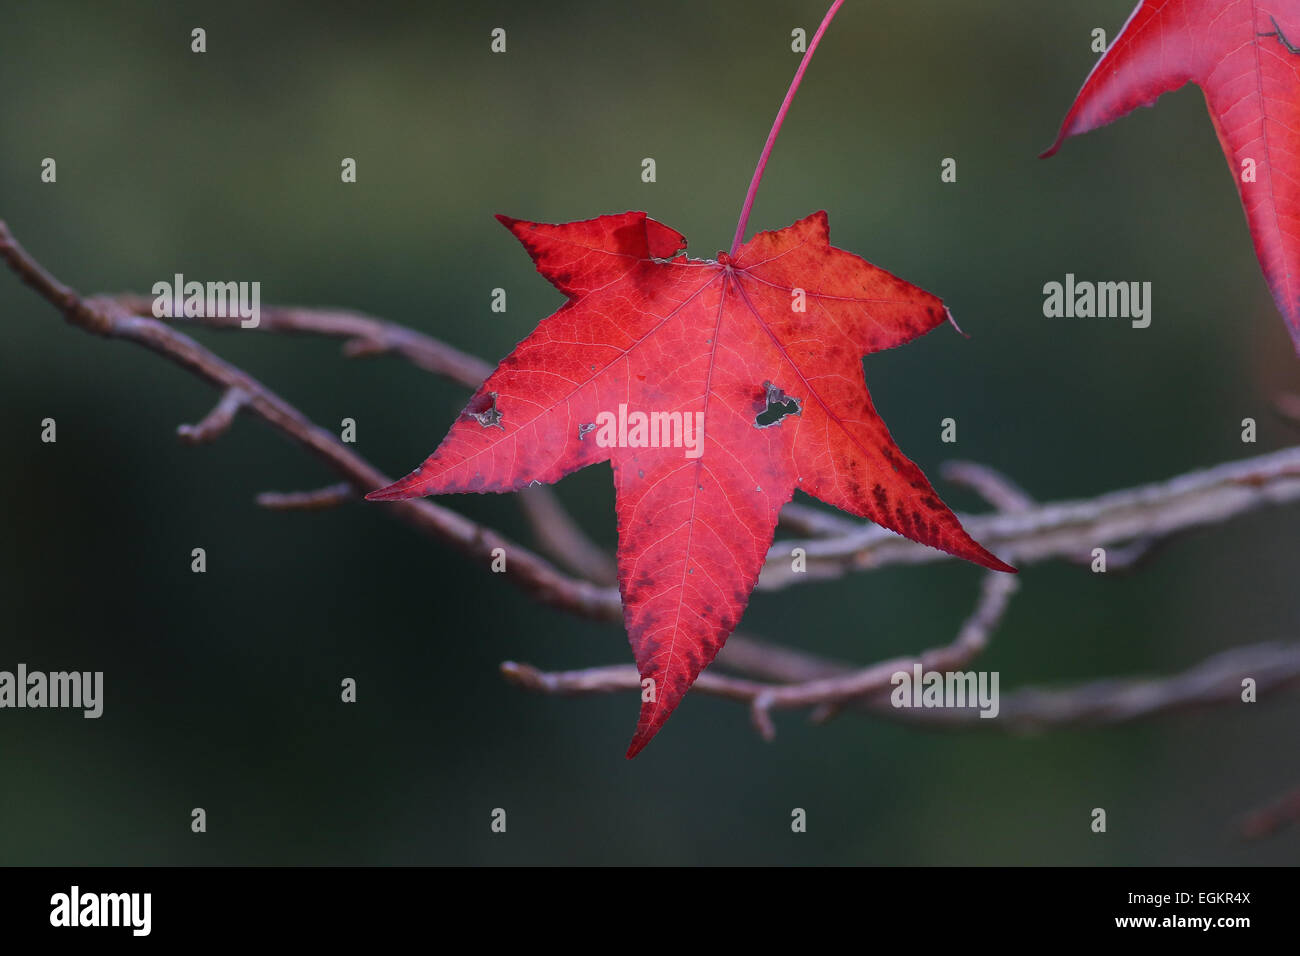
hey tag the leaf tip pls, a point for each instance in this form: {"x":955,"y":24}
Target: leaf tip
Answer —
{"x":822,"y":223}
{"x":408,"y":487}
{"x":994,"y":563}
{"x":638,"y":744}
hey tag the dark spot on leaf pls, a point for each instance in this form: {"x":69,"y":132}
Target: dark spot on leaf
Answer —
{"x":881,"y":496}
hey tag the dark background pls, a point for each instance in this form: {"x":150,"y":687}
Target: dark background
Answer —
{"x":222,"y":689}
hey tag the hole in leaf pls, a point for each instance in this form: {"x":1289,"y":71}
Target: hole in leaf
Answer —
{"x":779,"y":405}
{"x":489,"y":416}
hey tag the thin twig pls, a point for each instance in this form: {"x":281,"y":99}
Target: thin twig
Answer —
{"x":318,"y":500}
{"x":812,"y":522}
{"x":559,"y":536}
{"x":991,"y":485}
{"x":1216,"y":680}
{"x":601,"y":680}
{"x":363,"y":335}
{"x":836,"y":690}
{"x":1008,"y":497}
{"x":216,"y":421}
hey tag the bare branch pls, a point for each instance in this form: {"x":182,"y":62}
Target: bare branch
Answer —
{"x":1216,"y":680}
{"x":601,"y":680}
{"x":363,"y":335}
{"x":813,"y":522}
{"x":318,"y":500}
{"x":991,"y":485}
{"x":827,"y":690}
{"x":366,"y":335}
{"x":108,"y":318}
{"x":832,"y":691}
{"x":753,"y":657}
{"x":217,"y":421}
{"x":1006,"y":496}
{"x":1063,"y":529}
{"x":561,"y":538}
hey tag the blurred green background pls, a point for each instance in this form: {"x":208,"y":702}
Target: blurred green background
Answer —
{"x":222,"y":688}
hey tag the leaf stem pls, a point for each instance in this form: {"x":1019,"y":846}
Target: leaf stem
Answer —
{"x":748,"y":207}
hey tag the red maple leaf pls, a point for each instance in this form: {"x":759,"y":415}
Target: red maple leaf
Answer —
{"x":1245,"y":57}
{"x":715,"y":388}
